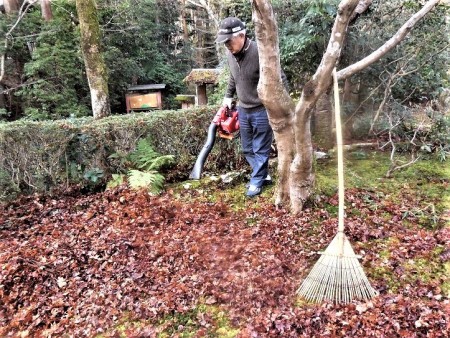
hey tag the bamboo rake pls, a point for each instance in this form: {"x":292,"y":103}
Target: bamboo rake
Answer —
{"x":337,"y":276}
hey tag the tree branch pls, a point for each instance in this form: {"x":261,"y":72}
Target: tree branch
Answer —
{"x":390,"y":44}
{"x":23,"y":10}
{"x":203,"y":4}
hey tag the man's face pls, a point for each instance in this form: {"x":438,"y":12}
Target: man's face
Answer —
{"x":235,"y":44}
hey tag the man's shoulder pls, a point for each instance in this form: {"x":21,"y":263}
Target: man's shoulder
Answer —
{"x":253,"y":46}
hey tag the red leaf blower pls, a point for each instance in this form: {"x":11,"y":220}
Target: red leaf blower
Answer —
{"x":225,"y":123}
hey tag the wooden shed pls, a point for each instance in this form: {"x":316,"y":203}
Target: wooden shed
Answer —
{"x":144,"y":97}
{"x":202,"y":77}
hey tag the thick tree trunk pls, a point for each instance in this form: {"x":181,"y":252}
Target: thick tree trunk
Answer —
{"x":279,"y":104}
{"x":273,"y":94}
{"x":11,"y":6}
{"x":95,"y":65}
{"x":46,"y":10}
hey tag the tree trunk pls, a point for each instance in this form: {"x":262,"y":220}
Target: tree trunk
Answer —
{"x":183,"y":21}
{"x":294,"y":125}
{"x":96,"y":70}
{"x":274,"y":96}
{"x":2,"y":97}
{"x":200,"y":46}
{"x":46,"y":10}
{"x":11,"y":6}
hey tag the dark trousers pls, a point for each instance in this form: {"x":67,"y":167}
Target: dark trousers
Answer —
{"x":256,"y":139}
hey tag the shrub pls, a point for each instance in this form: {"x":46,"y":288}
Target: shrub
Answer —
{"x":38,"y":156}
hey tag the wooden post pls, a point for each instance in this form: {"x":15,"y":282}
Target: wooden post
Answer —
{"x":202,"y":99}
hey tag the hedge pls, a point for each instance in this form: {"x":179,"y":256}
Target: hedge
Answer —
{"x":39,"y":156}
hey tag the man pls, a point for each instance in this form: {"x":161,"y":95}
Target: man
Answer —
{"x":256,"y":133}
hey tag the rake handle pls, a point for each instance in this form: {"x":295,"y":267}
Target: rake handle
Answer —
{"x":340,"y":152}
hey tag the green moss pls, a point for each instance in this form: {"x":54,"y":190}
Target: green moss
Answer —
{"x":385,"y":274}
{"x":428,"y":270}
{"x":420,"y":269}
{"x":185,"y":324}
{"x":426,"y":181}
{"x":426,"y":267}
{"x":445,"y":286}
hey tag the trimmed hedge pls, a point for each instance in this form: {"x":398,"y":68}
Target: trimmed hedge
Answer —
{"x":39,"y":156}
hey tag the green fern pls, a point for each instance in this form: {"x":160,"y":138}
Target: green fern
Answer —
{"x":146,"y":158}
{"x":145,"y":163}
{"x":151,"y":180}
{"x":161,"y":162}
{"x":117,"y":179}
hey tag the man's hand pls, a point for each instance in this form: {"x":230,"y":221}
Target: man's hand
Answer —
{"x":227,"y":102}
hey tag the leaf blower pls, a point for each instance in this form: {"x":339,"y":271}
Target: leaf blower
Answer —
{"x":225,"y":123}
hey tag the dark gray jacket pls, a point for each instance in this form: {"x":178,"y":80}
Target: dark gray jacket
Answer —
{"x":244,"y":77}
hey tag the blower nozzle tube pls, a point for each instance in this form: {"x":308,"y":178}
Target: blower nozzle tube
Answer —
{"x":196,"y":172}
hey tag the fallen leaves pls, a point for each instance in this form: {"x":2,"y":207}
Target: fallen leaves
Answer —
{"x":80,"y":264}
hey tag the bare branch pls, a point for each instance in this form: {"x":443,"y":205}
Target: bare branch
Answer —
{"x":363,"y":5}
{"x":389,"y":45}
{"x":23,"y":10}
{"x":203,"y":4}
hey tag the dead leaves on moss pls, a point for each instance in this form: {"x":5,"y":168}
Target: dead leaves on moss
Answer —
{"x":79,"y":264}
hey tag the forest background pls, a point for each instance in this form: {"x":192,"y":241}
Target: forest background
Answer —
{"x":151,"y":41}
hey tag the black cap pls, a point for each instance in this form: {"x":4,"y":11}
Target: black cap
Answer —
{"x":228,"y":27}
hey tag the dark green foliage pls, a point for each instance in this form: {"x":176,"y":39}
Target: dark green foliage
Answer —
{"x":304,"y":30}
{"x":55,"y":85}
{"x":437,"y":141}
{"x":141,"y":41}
{"x":240,"y":9}
{"x":142,"y":46}
{"x":57,"y":81}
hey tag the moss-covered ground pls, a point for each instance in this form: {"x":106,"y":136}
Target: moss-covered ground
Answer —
{"x":419,"y":192}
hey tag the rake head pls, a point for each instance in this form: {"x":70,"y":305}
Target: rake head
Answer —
{"x":337,"y":276}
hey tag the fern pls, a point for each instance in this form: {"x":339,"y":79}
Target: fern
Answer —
{"x":161,"y":162}
{"x":148,"y":162}
{"x":151,"y":180}
{"x":117,"y":179}
{"x":146,"y":158}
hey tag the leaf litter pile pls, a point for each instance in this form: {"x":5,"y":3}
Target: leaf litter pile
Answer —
{"x":124,"y":263}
